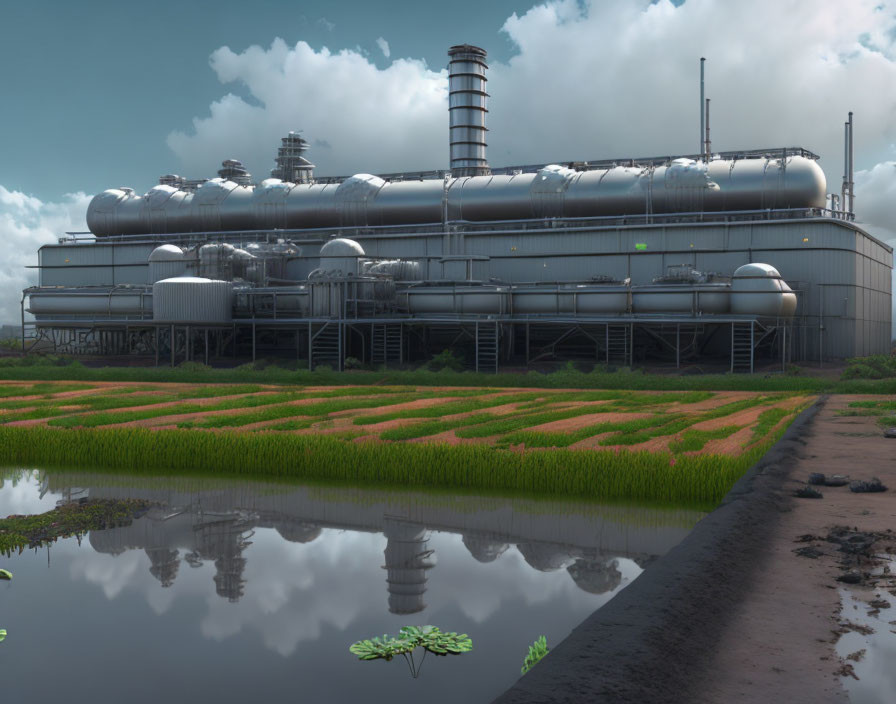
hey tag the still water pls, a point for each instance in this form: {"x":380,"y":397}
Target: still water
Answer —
{"x":236,"y":592}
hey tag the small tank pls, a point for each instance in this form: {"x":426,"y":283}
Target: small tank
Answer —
{"x":758,"y":289}
{"x":189,"y":299}
{"x":166,"y":262}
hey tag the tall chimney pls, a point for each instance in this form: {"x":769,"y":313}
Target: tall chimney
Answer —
{"x":702,"y":108}
{"x":466,"y":110}
{"x":852,"y":183}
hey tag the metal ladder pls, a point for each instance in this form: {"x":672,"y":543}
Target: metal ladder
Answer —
{"x":618,"y":344}
{"x":742,"y":346}
{"x":325,"y":346}
{"x":487,"y":347}
{"x":386,"y":344}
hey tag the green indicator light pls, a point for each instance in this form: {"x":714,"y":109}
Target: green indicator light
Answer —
{"x":640,"y":246}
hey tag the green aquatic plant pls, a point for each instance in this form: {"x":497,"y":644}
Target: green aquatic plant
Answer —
{"x":76,"y":518}
{"x":536,"y":652}
{"x":430,"y":638}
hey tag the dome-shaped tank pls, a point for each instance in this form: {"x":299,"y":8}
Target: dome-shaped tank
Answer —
{"x":166,"y":262}
{"x":190,"y":299}
{"x":758,"y":289}
{"x":339,"y":257}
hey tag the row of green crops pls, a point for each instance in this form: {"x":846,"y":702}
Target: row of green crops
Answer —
{"x":35,"y":367}
{"x":39,"y":389}
{"x":691,"y":480}
{"x":512,"y":426}
{"x":695,"y":440}
{"x":312,"y":411}
{"x":89,"y":407}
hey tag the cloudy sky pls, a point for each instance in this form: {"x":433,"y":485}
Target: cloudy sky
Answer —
{"x":107,"y":94}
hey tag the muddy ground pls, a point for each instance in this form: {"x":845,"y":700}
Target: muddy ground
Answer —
{"x":734,"y":613}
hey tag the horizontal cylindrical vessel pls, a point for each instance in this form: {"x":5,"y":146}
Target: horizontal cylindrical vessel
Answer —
{"x":361,"y":200}
{"x":111,"y":303}
{"x":464,"y":300}
{"x":572,"y":299}
{"x":697,"y":299}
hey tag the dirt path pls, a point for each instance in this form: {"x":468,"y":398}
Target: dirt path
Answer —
{"x":778,"y":643}
{"x":732,"y":614}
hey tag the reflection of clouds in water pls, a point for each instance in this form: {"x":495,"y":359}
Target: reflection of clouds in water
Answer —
{"x":111,"y":572}
{"x":480,"y":589}
{"x":877,"y":677}
{"x":160,"y":600}
{"x":290,"y":593}
{"x":24,"y":497}
{"x":294,"y":590}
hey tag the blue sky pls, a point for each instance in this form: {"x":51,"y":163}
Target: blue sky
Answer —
{"x":92,"y":89}
{"x":101,"y":94}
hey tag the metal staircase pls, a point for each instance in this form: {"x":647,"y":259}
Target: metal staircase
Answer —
{"x":743,"y":342}
{"x":487,"y":347}
{"x":325,"y":346}
{"x":386,"y":344}
{"x":618,"y":344}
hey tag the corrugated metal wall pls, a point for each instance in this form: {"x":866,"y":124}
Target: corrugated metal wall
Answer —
{"x":842,"y":274}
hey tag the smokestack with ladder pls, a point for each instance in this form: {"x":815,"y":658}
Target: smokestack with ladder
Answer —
{"x":707,"y":146}
{"x":852,"y":184}
{"x":467,"y":110}
{"x":702,"y":114}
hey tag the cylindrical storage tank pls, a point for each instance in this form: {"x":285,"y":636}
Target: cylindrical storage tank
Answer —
{"x":758,"y":289}
{"x":696,"y":299}
{"x":462,"y":300}
{"x":166,"y":262}
{"x":190,"y":299}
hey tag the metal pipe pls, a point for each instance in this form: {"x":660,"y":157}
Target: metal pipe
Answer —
{"x":708,"y":145}
{"x":702,"y":150}
{"x":852,"y":192}
{"x":844,"y":189}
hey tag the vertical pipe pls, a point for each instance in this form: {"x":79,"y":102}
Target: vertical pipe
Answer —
{"x":852,"y":192}
{"x":845,"y":187}
{"x":702,"y":117}
{"x":708,"y":146}
{"x":22,"y":310}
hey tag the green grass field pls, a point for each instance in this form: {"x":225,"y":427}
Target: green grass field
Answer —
{"x":496,"y":439}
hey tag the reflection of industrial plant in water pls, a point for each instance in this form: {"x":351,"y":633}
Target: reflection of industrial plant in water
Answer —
{"x":217,"y":526}
{"x":407,"y":559}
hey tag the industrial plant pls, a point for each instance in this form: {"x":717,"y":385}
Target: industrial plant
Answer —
{"x":738,"y":258}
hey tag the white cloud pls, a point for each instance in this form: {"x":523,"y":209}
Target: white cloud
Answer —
{"x":375,"y":119}
{"x":26,"y":223}
{"x":588,"y":80}
{"x":384,"y":47}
